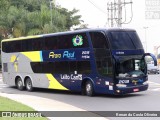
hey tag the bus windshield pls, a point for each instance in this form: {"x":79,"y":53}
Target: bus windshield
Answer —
{"x":131,"y":66}
{"x":125,"y":40}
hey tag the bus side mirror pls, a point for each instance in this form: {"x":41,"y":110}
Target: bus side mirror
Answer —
{"x":153,"y":57}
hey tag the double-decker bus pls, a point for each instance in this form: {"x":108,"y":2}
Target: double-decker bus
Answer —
{"x":105,"y":61}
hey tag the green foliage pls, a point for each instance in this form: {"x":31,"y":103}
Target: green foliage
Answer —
{"x":10,"y":105}
{"x":31,"y":17}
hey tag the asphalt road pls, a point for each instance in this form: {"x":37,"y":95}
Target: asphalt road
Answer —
{"x":143,"y":101}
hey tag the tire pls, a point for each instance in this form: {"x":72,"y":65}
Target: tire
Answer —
{"x":19,"y":84}
{"x":28,"y":84}
{"x":89,"y":90}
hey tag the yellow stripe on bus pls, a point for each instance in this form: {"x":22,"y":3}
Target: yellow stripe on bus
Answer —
{"x":54,"y":84}
{"x":33,"y":56}
{"x":21,"y":38}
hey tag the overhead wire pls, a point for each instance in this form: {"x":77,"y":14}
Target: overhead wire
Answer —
{"x":115,"y":14}
{"x":97,"y":7}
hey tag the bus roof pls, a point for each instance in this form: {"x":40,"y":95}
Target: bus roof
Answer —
{"x":69,"y":32}
{"x":21,"y":38}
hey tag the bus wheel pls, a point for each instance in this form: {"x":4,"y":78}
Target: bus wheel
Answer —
{"x":19,"y":84}
{"x":89,"y":88}
{"x":28,"y":84}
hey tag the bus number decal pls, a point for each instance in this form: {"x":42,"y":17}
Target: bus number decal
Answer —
{"x":119,"y":53}
{"x":123,"y":81}
{"x":86,"y":54}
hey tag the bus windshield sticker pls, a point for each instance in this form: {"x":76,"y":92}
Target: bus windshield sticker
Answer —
{"x":77,"y":40}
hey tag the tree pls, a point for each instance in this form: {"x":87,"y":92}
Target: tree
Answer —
{"x":4,"y":5}
{"x":31,"y":17}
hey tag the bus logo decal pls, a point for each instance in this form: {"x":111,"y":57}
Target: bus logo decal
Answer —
{"x":134,"y":82}
{"x":72,"y":77}
{"x":77,"y":40}
{"x":14,"y":60}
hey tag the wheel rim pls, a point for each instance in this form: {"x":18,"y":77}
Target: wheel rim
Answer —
{"x":19,"y":83}
{"x":88,"y":88}
{"x":29,"y":85}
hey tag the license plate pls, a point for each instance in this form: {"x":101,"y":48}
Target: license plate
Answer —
{"x":136,"y":90}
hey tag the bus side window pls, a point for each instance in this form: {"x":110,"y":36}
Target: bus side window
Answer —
{"x":63,"y":42}
{"x":60,"y":69}
{"x":37,"y":44}
{"x":51,"y":43}
{"x":16,"y":46}
{"x":99,"y":40}
{"x":5,"y":47}
{"x":84,"y":67}
{"x":73,"y":66}
{"x":27,"y":45}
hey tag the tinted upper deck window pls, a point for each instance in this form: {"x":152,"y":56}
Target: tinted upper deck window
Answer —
{"x":135,"y":38}
{"x":11,"y":46}
{"x":121,"y":40}
{"x":68,"y":41}
{"x":99,"y":40}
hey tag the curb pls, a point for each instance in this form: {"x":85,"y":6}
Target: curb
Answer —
{"x":44,"y":104}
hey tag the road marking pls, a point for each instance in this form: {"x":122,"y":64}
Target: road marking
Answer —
{"x":2,"y":85}
{"x":153,"y":83}
{"x":153,"y":86}
{"x":156,"y":89}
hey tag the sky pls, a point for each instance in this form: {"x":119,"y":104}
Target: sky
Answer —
{"x":97,"y":17}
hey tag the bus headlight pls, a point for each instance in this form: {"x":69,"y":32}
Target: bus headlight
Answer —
{"x":121,"y":85}
{"x":145,"y":83}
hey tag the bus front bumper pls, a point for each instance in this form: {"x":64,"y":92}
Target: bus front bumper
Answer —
{"x":133,"y":89}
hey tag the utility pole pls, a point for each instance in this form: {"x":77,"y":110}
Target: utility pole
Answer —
{"x":145,"y":28}
{"x":119,"y":14}
{"x":110,"y":10}
{"x":115,"y":12}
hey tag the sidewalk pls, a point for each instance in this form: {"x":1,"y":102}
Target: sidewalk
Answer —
{"x":44,"y":104}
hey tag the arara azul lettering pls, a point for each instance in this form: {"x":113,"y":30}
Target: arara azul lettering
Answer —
{"x":53,"y":55}
{"x":65,"y":54}
{"x":70,"y":55}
